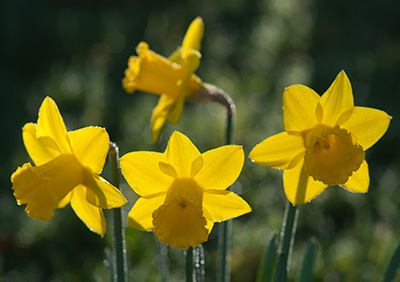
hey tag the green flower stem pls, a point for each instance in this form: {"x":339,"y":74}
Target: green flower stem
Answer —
{"x":224,"y":230}
{"x":223,"y":273}
{"x":189,"y":265}
{"x":286,"y":242}
{"x":119,"y":245}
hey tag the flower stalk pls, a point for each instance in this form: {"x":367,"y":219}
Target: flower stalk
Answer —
{"x":211,"y":93}
{"x":119,"y":244}
{"x":189,"y":264}
{"x":286,"y":242}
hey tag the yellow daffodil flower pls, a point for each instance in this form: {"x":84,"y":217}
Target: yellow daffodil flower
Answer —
{"x":173,"y":78}
{"x":183,"y":192}
{"x":67,"y":170}
{"x":324,"y":142}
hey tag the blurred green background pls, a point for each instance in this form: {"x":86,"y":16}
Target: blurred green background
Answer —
{"x":77,"y":51}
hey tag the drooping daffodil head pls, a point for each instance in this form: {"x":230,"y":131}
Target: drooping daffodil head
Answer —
{"x":183,"y":192}
{"x":172,"y":78}
{"x":324,"y":141}
{"x":67,"y":170}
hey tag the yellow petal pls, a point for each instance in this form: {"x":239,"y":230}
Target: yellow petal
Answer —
{"x":176,"y":56}
{"x":42,"y":187}
{"x":210,"y":222}
{"x":367,"y":125}
{"x":141,"y":171}
{"x":221,"y":167}
{"x":299,"y":108}
{"x":51,"y":128}
{"x":194,"y":35}
{"x":181,"y":153}
{"x":160,"y":113}
{"x":197,"y":165}
{"x":223,"y":204}
{"x":337,"y":99}
{"x":66,"y":200}
{"x":190,"y":64}
{"x":281,"y":151}
{"x":39,"y":152}
{"x":359,"y":181}
{"x":101,"y":193}
{"x":90,"y":145}
{"x":92,"y":216}
{"x":140,"y":217}
{"x":299,"y":187}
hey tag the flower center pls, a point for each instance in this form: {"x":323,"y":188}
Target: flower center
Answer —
{"x":331,"y":156}
{"x":179,"y":222}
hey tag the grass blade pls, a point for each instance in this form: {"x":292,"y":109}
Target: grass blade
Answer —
{"x":307,"y":270}
{"x":267,"y":265}
{"x":393,"y":267}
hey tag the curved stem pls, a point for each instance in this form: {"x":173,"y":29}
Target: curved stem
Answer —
{"x":225,"y":227}
{"x":211,"y":93}
{"x":119,"y":244}
{"x":286,"y":242}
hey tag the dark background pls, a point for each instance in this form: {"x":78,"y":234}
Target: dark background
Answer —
{"x":76,"y":52}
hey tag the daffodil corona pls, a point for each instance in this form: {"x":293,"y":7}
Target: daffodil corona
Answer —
{"x":67,"y":170}
{"x":173,"y":78}
{"x":183,"y":192}
{"x":324,"y":142}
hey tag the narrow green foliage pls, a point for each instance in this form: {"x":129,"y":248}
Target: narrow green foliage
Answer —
{"x":307,"y":269}
{"x":267,"y":265}
{"x":393,"y":267}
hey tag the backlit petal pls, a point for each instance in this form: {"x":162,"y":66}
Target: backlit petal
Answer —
{"x":66,"y":200}
{"x":160,"y":113}
{"x":367,"y":125}
{"x":359,"y":181}
{"x":337,"y":99}
{"x":141,"y":215}
{"x":180,"y":153}
{"x":193,"y":36}
{"x":190,"y":63}
{"x":38,"y":152}
{"x":92,"y":216}
{"x":209,"y":219}
{"x":221,"y":167}
{"x":51,"y":128}
{"x":224,"y":204}
{"x":142,"y":172}
{"x":101,"y":193}
{"x":299,"y":187}
{"x":299,"y":108}
{"x":90,"y":145}
{"x":281,"y":151}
